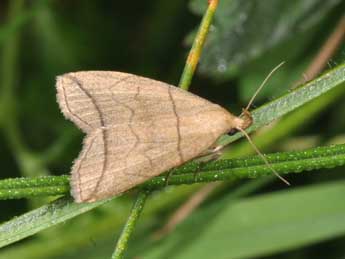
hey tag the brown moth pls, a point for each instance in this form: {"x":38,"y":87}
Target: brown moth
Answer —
{"x":136,"y":128}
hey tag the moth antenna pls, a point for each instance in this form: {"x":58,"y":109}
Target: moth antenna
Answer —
{"x":262,"y":85}
{"x":262,"y":156}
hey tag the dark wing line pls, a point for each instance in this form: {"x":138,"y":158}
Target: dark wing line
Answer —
{"x":131,"y":110}
{"x":73,"y":115}
{"x":80,"y":85}
{"x":105,"y":163}
{"x":83,"y":156}
{"x":122,"y":80}
{"x":103,"y":132}
{"x":177,"y":125}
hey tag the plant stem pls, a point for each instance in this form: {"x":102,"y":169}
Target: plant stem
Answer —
{"x":186,"y":78}
{"x":195,"y":52}
{"x":8,"y":77}
{"x":128,"y":229}
{"x":28,"y":162}
{"x":41,"y":181}
{"x":221,"y":170}
{"x":294,"y":99}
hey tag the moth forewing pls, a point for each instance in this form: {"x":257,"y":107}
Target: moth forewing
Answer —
{"x":136,"y":127}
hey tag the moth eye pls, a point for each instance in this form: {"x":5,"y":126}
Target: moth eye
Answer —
{"x":233,"y":131}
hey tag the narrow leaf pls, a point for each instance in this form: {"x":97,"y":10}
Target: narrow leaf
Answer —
{"x":258,"y":226}
{"x":44,"y":217}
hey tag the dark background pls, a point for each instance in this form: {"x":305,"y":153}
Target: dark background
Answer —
{"x":42,"y":39}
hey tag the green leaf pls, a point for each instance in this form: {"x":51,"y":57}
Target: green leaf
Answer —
{"x":222,"y":170}
{"x":245,"y":29}
{"x":44,"y":217}
{"x":258,"y":226}
{"x":294,"y":99}
{"x":104,"y":222}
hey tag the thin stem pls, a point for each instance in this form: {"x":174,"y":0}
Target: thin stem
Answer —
{"x":8,"y":79}
{"x":195,"y":52}
{"x":290,"y":101}
{"x":33,"y":192}
{"x":222,"y":170}
{"x":27,"y":161}
{"x":128,"y":229}
{"x":186,"y":78}
{"x":328,"y":49}
{"x":262,"y":156}
{"x":41,"y":181}
{"x":10,"y":53}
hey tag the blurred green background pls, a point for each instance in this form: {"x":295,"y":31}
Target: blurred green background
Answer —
{"x":41,"y":39}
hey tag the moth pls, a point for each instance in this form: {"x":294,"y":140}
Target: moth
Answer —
{"x":136,"y":128}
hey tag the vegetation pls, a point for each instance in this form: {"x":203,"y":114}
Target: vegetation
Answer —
{"x":245,"y":212}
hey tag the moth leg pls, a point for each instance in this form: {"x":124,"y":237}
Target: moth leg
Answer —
{"x":168,"y":174}
{"x":208,"y":156}
{"x":211,"y":151}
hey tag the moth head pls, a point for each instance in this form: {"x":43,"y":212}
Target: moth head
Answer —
{"x":242,"y":122}
{"x":247,"y":119}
